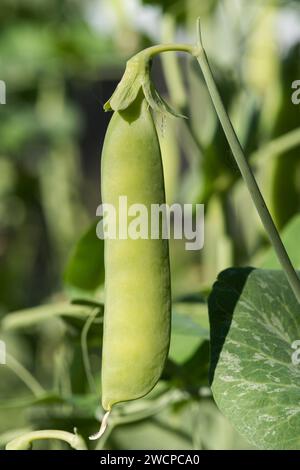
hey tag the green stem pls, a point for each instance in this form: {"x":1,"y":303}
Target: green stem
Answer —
{"x":24,"y":442}
{"x":159,"y":48}
{"x":245,"y":169}
{"x":85,"y":351}
{"x":25,"y":376}
{"x":278,"y":146}
{"x":154,"y":407}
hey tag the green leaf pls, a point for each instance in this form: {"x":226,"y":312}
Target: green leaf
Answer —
{"x":255,"y":319}
{"x":183,"y":346}
{"x":189,"y":327}
{"x":290,"y":237}
{"x":85,"y":269}
{"x":190,"y":319}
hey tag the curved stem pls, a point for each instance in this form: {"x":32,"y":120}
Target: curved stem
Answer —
{"x":85,"y":352}
{"x":155,"y":407}
{"x":245,"y":169}
{"x":24,"y":442}
{"x":159,"y":48}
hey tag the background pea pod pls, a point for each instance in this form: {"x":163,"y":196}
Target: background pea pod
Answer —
{"x":137,"y":274}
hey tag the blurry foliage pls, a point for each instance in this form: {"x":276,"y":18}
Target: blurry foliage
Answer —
{"x":44,"y":48}
{"x":59,"y":69}
{"x":286,"y":185}
{"x":181,"y":10}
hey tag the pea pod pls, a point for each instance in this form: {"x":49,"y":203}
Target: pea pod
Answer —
{"x":137,"y":274}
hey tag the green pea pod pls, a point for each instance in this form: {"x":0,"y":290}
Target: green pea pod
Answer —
{"x":137,"y":272}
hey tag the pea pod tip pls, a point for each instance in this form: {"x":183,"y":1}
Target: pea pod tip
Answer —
{"x":104,"y":424}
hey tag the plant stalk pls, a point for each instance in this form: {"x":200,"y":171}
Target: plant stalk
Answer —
{"x":245,"y":168}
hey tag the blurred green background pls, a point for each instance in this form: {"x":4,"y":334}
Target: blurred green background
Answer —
{"x":61,"y":60}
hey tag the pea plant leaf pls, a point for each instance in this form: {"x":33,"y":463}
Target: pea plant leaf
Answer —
{"x":190,"y":327}
{"x":255,"y":319}
{"x":85,"y":269}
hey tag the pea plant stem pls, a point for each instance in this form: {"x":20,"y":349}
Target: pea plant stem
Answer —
{"x":245,"y":169}
{"x":25,"y":376}
{"x":25,"y":441}
{"x":159,"y":48}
